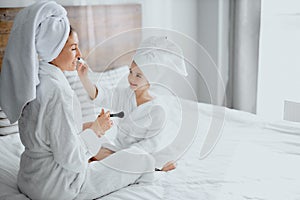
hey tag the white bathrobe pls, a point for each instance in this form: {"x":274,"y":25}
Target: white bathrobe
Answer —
{"x":141,"y":125}
{"x":54,"y":164}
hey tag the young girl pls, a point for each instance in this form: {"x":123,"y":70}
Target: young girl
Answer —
{"x":144,"y":118}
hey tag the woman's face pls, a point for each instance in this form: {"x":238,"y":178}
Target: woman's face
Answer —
{"x":136,"y":78}
{"x":67,"y":59}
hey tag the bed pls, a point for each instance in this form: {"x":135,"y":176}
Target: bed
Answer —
{"x":251,"y":159}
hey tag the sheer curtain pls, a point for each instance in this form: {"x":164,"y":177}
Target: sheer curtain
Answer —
{"x":242,"y":90}
{"x":229,"y":31}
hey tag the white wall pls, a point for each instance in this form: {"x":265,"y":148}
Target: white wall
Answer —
{"x":15,"y":3}
{"x":23,"y":3}
{"x":279,"y":63}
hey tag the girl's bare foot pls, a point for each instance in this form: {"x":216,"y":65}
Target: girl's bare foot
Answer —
{"x":167,"y":167}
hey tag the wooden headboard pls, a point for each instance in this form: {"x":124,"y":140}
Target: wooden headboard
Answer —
{"x":104,"y":32}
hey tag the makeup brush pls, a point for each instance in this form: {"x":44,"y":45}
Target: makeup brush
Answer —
{"x":120,"y":114}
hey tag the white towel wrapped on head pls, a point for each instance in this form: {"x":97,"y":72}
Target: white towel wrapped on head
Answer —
{"x":39,"y":31}
{"x":157,"y":55}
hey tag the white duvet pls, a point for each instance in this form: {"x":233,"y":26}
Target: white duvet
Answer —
{"x":253,"y":159}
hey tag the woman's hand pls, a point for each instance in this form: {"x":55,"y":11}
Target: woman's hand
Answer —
{"x":102,"y":123}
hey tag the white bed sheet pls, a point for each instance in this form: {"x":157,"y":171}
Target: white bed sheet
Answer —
{"x":254,"y":159}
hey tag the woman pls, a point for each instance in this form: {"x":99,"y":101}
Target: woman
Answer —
{"x":54,"y":164}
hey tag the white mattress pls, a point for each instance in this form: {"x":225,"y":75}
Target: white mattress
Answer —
{"x":253,"y":159}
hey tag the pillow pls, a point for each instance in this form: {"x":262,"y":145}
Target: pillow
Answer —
{"x":5,"y":127}
{"x":108,"y":79}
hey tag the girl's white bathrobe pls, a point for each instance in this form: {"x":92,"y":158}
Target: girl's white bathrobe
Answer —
{"x":54,"y":164}
{"x":141,"y":126}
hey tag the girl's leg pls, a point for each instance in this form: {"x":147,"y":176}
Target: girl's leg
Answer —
{"x":119,"y":170}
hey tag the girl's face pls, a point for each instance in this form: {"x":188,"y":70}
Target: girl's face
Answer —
{"x":67,"y":59}
{"x":136,"y":78}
